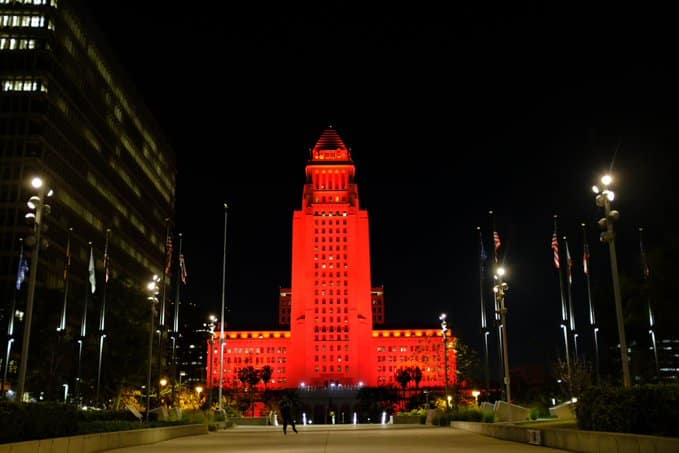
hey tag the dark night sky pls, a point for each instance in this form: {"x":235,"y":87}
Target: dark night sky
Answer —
{"x":449,"y":113}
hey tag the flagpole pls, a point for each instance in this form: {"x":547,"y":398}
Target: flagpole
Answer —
{"x":10,"y":323}
{"x":221,"y":320}
{"x":564,"y":313}
{"x":161,"y":315}
{"x":571,"y":311}
{"x":592,"y":315}
{"x":102,"y":314}
{"x":83,"y":325}
{"x":484,"y":321}
{"x":645,"y":275}
{"x":498,"y":321}
{"x":67,"y":271}
{"x":175,"y":328}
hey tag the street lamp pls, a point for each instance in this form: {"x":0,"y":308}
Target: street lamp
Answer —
{"x":444,"y":329}
{"x":603,"y":200}
{"x":35,"y":203}
{"x":152,"y":286}
{"x":221,"y":323}
{"x":475,"y":394}
{"x":210,"y":368}
{"x":500,"y":289}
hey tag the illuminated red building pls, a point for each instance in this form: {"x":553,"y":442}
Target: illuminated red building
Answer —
{"x":332,"y":308}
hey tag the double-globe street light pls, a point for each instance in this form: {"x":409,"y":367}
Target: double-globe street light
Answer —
{"x":444,"y":331}
{"x":500,"y":288}
{"x":37,"y":204}
{"x":603,"y":198}
{"x":152,"y":287}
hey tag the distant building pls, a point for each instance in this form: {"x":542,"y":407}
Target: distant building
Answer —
{"x":332,"y":307}
{"x":69,"y":114}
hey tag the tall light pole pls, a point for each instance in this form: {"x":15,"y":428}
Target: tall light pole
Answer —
{"x":153,"y":289}
{"x":603,"y":199}
{"x":500,"y":289}
{"x":444,"y":330}
{"x":36,"y":203}
{"x":221,"y":320}
{"x":210,"y":368}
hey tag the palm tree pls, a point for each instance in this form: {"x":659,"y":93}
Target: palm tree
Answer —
{"x":249,"y":377}
{"x":266,"y":373}
{"x":403,"y":377}
{"x":416,"y":374}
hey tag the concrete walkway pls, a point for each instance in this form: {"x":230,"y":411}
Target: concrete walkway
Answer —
{"x":338,"y":439}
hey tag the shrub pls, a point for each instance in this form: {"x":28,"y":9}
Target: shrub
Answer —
{"x":36,"y":421}
{"x":488,"y":417}
{"x":648,"y":409}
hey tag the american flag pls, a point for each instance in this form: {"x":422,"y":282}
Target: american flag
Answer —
{"x":182,"y":267}
{"x":22,"y":269}
{"x":106,"y":261}
{"x":570,"y":264}
{"x":168,"y":258}
{"x":67,"y":264}
{"x":496,"y":241}
{"x":555,"y":247}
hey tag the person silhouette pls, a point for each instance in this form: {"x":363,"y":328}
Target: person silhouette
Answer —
{"x":286,"y":414}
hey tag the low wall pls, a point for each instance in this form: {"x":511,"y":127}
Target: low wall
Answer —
{"x":90,"y":443}
{"x":250,"y":421}
{"x":574,"y":440}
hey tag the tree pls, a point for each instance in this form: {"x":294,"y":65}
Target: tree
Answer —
{"x":403,"y":377}
{"x":266,"y":374}
{"x":416,"y":374}
{"x":249,"y":377}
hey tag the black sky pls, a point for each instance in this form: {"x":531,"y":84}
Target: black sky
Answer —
{"x":449,"y":113}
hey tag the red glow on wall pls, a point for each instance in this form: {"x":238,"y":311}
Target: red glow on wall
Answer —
{"x":332,"y":307}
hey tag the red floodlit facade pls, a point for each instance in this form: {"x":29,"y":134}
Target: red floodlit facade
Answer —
{"x":332,"y":308}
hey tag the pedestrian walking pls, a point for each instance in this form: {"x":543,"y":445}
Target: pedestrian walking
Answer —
{"x":286,"y":414}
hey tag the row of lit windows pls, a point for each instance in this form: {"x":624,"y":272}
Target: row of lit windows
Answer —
{"x":249,"y":359}
{"x":338,"y":337}
{"x":330,"y":257}
{"x":29,"y":2}
{"x":16,"y":43}
{"x":331,"y":358}
{"x":337,"y":239}
{"x":336,"y":199}
{"x":330,"y":311}
{"x":331,"y":329}
{"x":24,"y":85}
{"x":322,"y":301}
{"x":331,"y":369}
{"x":330,"y":214}
{"x":337,"y":230}
{"x":252,"y":350}
{"x":329,"y":223}
{"x":418,"y":348}
{"x":33,"y":21}
{"x":323,"y":348}
{"x":234,"y":374}
{"x":337,"y":274}
{"x":337,"y":248}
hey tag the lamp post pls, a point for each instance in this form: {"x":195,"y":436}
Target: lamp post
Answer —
{"x":221,"y":323}
{"x":475,"y":394}
{"x":210,"y":367}
{"x":444,"y":330}
{"x":500,"y":289}
{"x":36,"y":203}
{"x":603,"y":200}
{"x":153,"y":288}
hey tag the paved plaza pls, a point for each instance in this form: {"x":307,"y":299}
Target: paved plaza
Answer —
{"x":338,"y":439}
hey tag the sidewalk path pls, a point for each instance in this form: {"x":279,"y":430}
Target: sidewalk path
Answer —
{"x":338,"y":439}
